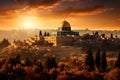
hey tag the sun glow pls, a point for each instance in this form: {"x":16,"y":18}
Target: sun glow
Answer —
{"x":29,"y":23}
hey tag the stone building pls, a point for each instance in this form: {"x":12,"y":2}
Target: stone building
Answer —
{"x":65,"y":30}
{"x":64,"y":36}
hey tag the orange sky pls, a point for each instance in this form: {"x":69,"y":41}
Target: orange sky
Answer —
{"x":49,"y":14}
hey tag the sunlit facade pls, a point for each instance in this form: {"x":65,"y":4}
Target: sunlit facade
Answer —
{"x":63,"y":37}
{"x":65,"y":30}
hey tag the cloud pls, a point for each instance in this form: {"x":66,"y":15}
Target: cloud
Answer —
{"x":53,"y":8}
{"x":43,"y":2}
{"x":10,"y":4}
{"x":39,"y":3}
{"x":86,"y":11}
{"x":17,"y":4}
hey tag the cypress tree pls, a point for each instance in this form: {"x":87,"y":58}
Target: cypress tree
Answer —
{"x":50,"y":62}
{"x":97,"y":59}
{"x":45,"y":34}
{"x":48,"y":34}
{"x":17,"y":59}
{"x":117,"y":63}
{"x":90,"y":61}
{"x":47,"y":63}
{"x":103,"y":62}
{"x":40,"y":33}
{"x":28,"y":62}
{"x":39,"y":68}
{"x":53,"y":62}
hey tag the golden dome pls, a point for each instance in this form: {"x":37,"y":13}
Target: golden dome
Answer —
{"x":65,"y":24}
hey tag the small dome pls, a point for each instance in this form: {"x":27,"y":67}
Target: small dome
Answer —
{"x":66,"y":24}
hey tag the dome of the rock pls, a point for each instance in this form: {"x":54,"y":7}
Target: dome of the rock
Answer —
{"x":66,"y":26}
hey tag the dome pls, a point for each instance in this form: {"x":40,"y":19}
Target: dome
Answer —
{"x":66,"y":26}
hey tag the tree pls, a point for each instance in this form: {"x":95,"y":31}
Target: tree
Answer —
{"x":117,"y":63}
{"x":103,"y":62}
{"x":48,"y":34}
{"x":39,"y":67}
{"x":40,"y":33}
{"x":28,"y":62}
{"x":111,"y":36}
{"x":17,"y":59}
{"x":89,"y":60}
{"x":103,"y":35}
{"x":45,"y":34}
{"x":47,"y":62}
{"x":97,"y":59}
{"x":4,"y":43}
{"x":53,"y":62}
{"x":50,"y":62}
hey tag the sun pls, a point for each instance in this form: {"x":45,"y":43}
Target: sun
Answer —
{"x":29,"y":23}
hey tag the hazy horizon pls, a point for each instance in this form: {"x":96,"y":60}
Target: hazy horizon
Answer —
{"x":28,"y":33}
